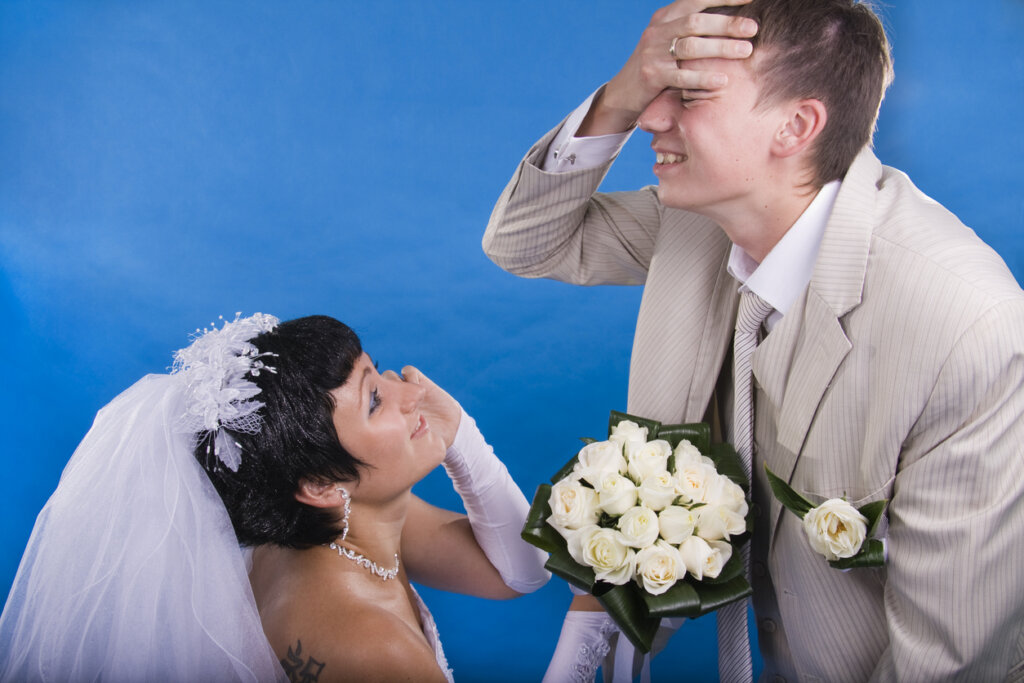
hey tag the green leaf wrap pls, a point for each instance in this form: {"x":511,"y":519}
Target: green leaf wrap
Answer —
{"x":627,"y":609}
{"x":697,"y":433}
{"x":681,"y":600}
{"x":872,"y":554}
{"x":715,"y":595}
{"x":790,"y":499}
{"x":873,"y":511}
{"x":536,"y":530}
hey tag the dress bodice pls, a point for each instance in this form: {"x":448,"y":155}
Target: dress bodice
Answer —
{"x":433,"y":639}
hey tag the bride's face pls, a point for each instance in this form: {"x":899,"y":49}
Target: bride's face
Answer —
{"x":379,"y":421}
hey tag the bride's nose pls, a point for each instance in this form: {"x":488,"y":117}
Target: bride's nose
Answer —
{"x":409,"y":395}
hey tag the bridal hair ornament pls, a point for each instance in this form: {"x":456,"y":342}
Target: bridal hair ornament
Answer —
{"x":348,"y":553}
{"x":218,"y":395}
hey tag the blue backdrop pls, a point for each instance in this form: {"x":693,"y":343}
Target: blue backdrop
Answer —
{"x":165,"y":163}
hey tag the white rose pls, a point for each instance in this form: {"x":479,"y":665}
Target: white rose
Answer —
{"x":715,"y":522}
{"x":687,"y":453}
{"x":615,"y":493}
{"x":692,"y":481}
{"x":572,"y":505}
{"x":733,"y":497}
{"x":703,"y":558}
{"x":835,"y":529}
{"x":720,"y":555}
{"x":658,"y":567}
{"x":628,"y":431}
{"x":647,"y":459}
{"x":605,"y":551}
{"x":658,"y":491}
{"x":676,"y":524}
{"x":598,"y":458}
{"x":639,"y":526}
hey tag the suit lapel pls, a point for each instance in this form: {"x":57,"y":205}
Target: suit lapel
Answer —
{"x":794,"y":369}
{"x":796,"y":363}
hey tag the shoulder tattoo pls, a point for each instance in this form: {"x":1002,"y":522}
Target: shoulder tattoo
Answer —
{"x":301,"y":668}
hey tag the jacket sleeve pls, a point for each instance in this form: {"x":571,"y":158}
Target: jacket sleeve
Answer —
{"x":955,"y":574}
{"x":556,"y":225}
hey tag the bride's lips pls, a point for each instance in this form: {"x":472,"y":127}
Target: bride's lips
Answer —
{"x":421,"y":428}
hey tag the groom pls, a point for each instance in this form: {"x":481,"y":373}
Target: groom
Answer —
{"x":891,"y":360}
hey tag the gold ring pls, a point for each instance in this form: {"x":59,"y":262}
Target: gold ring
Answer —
{"x":672,"y":49}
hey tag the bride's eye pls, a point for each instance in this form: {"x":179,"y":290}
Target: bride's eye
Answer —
{"x":374,"y":400}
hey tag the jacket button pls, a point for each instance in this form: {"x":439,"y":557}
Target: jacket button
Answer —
{"x":768,"y":626}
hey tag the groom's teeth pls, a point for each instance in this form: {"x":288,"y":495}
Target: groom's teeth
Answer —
{"x":667,"y":158}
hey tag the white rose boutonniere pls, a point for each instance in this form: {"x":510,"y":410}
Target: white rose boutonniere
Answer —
{"x":647,"y":521}
{"x":836,"y":529}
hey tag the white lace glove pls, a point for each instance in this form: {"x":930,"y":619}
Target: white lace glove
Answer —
{"x":574,"y":658}
{"x":582,"y":647}
{"x":496,"y":508}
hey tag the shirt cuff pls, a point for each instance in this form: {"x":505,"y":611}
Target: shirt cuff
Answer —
{"x":570,"y":153}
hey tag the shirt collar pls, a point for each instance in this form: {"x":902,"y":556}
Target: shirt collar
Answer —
{"x":785,"y":272}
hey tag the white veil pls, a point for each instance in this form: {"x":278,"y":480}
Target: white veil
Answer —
{"x":133,"y":571}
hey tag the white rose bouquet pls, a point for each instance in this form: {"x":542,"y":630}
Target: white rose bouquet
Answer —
{"x":835,"y":528}
{"x":647,"y":521}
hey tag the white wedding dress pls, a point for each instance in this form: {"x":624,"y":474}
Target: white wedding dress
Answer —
{"x":433,"y":638}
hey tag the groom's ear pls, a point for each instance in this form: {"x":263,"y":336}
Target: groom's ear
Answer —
{"x":319,"y":494}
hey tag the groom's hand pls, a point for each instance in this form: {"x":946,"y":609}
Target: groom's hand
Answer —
{"x":692,"y":35}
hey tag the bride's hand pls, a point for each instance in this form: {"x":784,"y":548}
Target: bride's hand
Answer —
{"x":441,"y":410}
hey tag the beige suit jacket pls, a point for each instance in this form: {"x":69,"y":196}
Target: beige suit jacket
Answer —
{"x":898,"y":374}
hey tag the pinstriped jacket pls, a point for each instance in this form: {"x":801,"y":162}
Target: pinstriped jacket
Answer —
{"x":898,"y":374}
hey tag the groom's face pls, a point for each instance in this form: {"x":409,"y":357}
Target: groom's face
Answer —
{"x":712,"y":150}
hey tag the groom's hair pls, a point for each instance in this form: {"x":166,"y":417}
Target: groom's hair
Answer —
{"x":311,"y":357}
{"x":834,"y":51}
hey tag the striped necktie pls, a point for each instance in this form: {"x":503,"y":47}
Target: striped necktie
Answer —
{"x":734,"y":662}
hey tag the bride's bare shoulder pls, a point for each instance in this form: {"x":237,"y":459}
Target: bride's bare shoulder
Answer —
{"x":351,"y":640}
{"x":342,"y":627}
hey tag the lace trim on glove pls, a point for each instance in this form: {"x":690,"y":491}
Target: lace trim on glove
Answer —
{"x":589,"y":657}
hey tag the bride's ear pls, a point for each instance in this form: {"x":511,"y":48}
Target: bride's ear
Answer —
{"x":319,"y":494}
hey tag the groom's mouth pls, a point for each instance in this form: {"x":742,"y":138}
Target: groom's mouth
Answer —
{"x":665,"y":158}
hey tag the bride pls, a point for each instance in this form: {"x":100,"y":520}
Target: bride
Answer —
{"x":284,"y":438}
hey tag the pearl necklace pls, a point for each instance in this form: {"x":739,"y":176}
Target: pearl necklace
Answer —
{"x":384,"y":574}
{"x":348,"y":553}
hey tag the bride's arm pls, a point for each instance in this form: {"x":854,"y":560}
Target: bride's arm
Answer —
{"x":451,"y":551}
{"x":439,"y":550}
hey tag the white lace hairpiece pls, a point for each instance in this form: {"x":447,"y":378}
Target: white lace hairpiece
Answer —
{"x":218,"y":394}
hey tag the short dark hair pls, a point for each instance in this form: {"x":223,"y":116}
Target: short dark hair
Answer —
{"x":312,"y":357}
{"x":834,"y":51}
